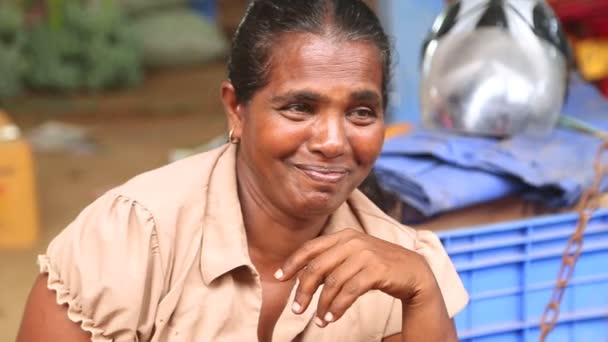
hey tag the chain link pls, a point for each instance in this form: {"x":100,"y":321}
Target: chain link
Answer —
{"x":588,"y":203}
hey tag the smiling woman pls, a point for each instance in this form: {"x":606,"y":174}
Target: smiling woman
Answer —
{"x":311,"y":135}
{"x":265,"y":238}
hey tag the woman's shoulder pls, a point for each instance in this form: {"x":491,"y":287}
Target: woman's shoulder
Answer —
{"x":379,"y":224}
{"x":167,"y":201}
{"x":173,"y":190}
{"x":175,"y":181}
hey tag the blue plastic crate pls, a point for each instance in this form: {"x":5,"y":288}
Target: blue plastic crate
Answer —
{"x":510,"y":269}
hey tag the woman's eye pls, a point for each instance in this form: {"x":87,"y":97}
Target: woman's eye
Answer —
{"x":298,"y":107}
{"x":297,"y":111}
{"x":362,"y":115}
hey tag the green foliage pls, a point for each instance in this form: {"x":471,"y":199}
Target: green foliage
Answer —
{"x":56,"y":60}
{"x":140,"y":7}
{"x":12,"y":39}
{"x":83,"y":47}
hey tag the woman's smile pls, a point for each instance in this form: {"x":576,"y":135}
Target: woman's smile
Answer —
{"x":325,"y":174}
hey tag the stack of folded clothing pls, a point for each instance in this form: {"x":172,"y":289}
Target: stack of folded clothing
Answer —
{"x":435,"y":172}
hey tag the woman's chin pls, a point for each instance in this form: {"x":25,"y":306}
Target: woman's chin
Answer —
{"x":319,"y":203}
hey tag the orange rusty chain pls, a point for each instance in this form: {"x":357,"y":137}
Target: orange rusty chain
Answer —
{"x":589,"y":202}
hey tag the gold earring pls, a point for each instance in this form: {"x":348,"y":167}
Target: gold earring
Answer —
{"x":232,"y":139}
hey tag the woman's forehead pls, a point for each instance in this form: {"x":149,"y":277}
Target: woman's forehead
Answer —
{"x":309,"y":58}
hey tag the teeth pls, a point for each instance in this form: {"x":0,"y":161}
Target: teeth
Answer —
{"x":322,"y":169}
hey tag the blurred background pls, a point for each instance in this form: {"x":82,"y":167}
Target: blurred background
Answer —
{"x":100,"y":91}
{"x":93,"y":92}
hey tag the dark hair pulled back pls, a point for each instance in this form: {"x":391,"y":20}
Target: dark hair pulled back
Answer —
{"x":266,"y":21}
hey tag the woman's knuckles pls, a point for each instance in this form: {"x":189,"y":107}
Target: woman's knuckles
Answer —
{"x":312,"y":267}
{"x":368,"y":254}
{"x":350,"y":232}
{"x":352,"y":288}
{"x":331,"y":282}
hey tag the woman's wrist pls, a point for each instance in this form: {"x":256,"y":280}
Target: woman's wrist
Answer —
{"x":423,"y":285}
{"x":425,"y":316}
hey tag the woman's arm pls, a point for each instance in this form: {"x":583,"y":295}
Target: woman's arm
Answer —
{"x":399,"y":337}
{"x":425,"y":317}
{"x":45,"y":320}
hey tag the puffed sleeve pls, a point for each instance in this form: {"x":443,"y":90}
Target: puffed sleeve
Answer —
{"x":454,"y":294}
{"x":106,"y":267}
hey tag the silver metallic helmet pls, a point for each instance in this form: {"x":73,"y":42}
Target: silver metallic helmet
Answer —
{"x":494,"y":67}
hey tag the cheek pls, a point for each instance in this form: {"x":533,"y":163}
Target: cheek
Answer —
{"x":274,"y":135}
{"x":367,"y":144}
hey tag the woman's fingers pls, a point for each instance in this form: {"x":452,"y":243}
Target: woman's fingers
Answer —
{"x":352,"y":289}
{"x":309,"y":251}
{"x":317,"y":270}
{"x":336,"y":279}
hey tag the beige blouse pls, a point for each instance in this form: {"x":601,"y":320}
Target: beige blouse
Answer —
{"x":164,"y":258}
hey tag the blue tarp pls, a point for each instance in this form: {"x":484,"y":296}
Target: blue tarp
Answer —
{"x":432,"y":186}
{"x":437,"y":171}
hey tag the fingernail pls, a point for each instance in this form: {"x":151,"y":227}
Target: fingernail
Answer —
{"x":329,"y":317}
{"x":278,"y":274}
{"x":321,"y":323}
{"x":296,"y":307}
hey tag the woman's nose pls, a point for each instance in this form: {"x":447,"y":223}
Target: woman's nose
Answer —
{"x":329,"y":137}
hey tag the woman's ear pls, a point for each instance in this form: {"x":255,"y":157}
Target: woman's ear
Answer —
{"x":233,"y":109}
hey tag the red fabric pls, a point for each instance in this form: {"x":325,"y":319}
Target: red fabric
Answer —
{"x":579,"y":9}
{"x":583,"y":18}
{"x":603,"y":86}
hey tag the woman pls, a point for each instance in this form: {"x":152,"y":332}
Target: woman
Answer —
{"x":265,"y":238}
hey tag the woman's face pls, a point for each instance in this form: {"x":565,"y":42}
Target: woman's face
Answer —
{"x":312,"y":134}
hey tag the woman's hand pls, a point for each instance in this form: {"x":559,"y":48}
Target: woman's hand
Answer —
{"x":350,"y":263}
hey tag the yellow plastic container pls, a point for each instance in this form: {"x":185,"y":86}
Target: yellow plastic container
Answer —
{"x":592,"y":58}
{"x":18,"y":206}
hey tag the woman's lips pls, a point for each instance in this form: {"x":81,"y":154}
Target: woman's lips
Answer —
{"x":323,"y":174}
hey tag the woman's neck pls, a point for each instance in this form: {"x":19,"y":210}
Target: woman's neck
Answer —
{"x":272,"y":234}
